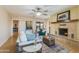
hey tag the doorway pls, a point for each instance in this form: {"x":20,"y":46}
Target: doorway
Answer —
{"x":15,"y":25}
{"x":39,"y":25}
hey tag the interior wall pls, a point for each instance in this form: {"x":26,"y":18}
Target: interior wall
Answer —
{"x":73,"y":27}
{"x":21,"y":26}
{"x":22,"y":20}
{"x":5,"y":28}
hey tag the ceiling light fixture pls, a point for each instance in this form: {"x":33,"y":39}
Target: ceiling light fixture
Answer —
{"x":38,"y":13}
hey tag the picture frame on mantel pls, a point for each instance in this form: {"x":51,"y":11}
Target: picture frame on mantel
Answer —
{"x":64,"y":16}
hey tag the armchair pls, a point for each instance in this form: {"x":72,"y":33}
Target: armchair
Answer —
{"x":42,"y":33}
{"x":23,"y":40}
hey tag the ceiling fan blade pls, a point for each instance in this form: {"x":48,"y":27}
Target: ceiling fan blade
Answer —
{"x":45,"y":14}
{"x":45,"y":10}
{"x":33,"y":10}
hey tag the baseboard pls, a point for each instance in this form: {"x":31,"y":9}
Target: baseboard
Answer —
{"x":4,"y":41}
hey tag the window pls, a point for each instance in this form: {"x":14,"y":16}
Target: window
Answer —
{"x":39,"y":25}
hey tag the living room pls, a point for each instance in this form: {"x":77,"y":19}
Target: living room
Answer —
{"x":51,"y":25}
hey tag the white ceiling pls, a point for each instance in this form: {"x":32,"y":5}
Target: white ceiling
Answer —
{"x":26,"y":10}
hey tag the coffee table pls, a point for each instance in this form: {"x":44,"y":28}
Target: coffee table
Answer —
{"x":33,"y":48}
{"x":49,"y":40}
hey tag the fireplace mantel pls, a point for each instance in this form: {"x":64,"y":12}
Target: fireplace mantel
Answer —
{"x":73,"y":20}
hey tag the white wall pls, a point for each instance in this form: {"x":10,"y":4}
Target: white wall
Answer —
{"x":5,"y":30}
{"x":22,"y":25}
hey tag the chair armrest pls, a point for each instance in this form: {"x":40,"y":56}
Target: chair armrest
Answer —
{"x":26,"y":43}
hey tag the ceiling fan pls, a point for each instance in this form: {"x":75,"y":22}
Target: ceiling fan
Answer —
{"x":40,"y":11}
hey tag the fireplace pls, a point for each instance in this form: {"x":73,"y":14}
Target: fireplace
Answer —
{"x":63,"y":31}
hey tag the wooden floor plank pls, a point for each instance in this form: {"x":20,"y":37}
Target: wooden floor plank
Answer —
{"x":71,"y":45}
{"x":10,"y":45}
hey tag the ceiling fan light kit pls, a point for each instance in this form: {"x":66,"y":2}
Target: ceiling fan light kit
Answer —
{"x":38,"y":13}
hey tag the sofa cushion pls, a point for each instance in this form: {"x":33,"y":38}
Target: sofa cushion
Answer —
{"x":23,"y":37}
{"x":28,"y":31}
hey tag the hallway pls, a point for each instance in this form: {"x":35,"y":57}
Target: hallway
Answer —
{"x":10,"y":45}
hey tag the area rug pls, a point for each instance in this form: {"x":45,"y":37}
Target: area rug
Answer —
{"x":54,"y":49}
{"x":46,"y":49}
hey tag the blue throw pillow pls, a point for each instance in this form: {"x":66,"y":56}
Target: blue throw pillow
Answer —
{"x":30,"y":37}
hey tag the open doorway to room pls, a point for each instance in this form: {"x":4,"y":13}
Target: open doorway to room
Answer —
{"x":15,"y":25}
{"x":40,"y":28}
{"x":39,"y":25}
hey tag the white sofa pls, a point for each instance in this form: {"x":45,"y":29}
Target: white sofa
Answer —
{"x":22,"y":39}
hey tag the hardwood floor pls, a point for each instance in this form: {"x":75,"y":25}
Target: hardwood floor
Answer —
{"x":10,"y":45}
{"x":72,"y":46}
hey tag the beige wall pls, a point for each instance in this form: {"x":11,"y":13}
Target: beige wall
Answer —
{"x":77,"y":31}
{"x":74,"y":12}
{"x":73,"y":27}
{"x":5,"y":28}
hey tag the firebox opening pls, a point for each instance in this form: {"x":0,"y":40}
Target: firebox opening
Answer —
{"x":63,"y":31}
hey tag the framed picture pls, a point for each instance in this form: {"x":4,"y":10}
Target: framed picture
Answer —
{"x":63,"y":16}
{"x":28,"y":24}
